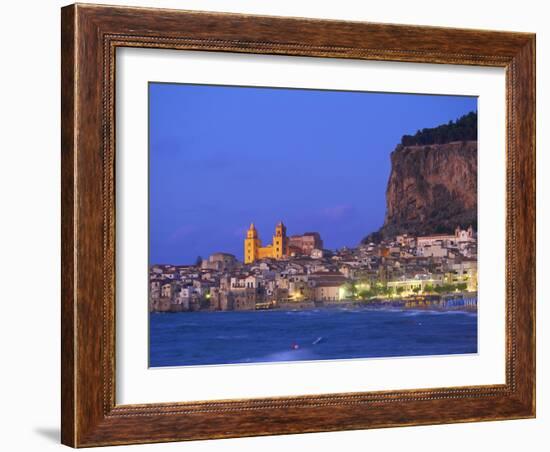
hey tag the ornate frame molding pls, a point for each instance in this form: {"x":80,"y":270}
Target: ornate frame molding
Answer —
{"x":90,"y":37}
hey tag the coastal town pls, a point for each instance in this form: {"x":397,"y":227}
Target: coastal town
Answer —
{"x":297,"y":272}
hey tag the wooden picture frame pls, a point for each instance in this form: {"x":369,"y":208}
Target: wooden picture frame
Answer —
{"x":90,"y":36}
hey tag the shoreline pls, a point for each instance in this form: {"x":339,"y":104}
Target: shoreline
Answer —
{"x":447,"y":302}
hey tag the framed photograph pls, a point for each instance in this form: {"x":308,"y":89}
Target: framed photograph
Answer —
{"x":281,"y":225}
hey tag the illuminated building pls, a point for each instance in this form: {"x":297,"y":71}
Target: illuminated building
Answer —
{"x":253,"y":249}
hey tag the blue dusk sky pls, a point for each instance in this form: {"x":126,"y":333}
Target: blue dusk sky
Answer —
{"x":221,"y":157}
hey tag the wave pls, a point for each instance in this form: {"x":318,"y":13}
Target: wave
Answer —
{"x":417,"y":312}
{"x":304,"y":313}
{"x":301,"y":354}
{"x":235,"y":336}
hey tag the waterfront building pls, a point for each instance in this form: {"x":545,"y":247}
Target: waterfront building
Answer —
{"x":166,"y":290}
{"x":327,"y":291}
{"x":182,"y":298}
{"x":243,"y":300}
{"x":465,"y":270}
{"x":300,"y":290}
{"x":408,"y":286}
{"x":154,"y":289}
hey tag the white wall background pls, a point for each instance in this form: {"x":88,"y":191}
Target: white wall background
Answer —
{"x":29,"y":229}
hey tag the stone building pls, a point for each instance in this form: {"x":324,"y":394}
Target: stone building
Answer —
{"x":282,"y":246}
{"x":253,"y":249}
{"x":220,"y":262}
{"x":305,"y":244}
{"x":327,"y":291}
{"x":460,"y":235}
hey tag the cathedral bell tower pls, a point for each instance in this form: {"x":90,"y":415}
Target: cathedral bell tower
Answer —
{"x":280,"y":241}
{"x":251,"y":245}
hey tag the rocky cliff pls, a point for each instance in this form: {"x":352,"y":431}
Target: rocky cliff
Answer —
{"x":432,"y":189}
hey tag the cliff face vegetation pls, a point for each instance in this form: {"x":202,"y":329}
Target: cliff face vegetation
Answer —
{"x":432,"y":187}
{"x":463,"y":129}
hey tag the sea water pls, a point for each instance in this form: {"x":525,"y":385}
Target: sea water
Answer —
{"x":201,"y":338}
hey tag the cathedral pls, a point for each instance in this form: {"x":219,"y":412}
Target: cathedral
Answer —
{"x":253,"y":249}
